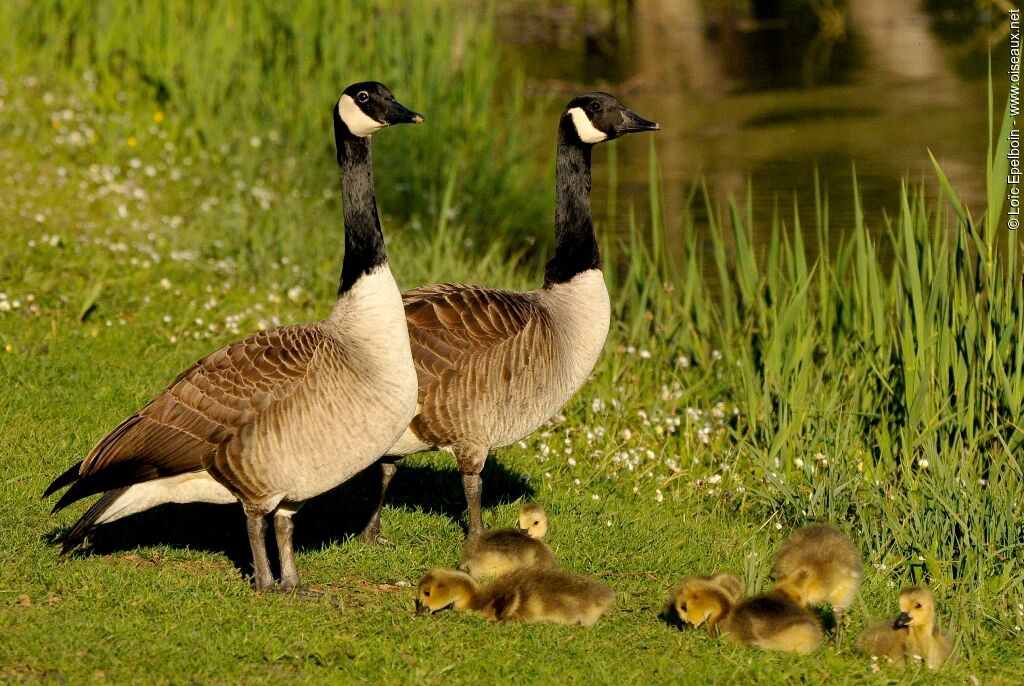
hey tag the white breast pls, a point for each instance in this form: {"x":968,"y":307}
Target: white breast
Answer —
{"x":581,"y":310}
{"x":370,"y":403}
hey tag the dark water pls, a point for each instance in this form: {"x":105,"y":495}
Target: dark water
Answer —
{"x":771,"y":94}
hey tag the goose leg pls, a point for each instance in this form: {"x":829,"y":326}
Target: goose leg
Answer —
{"x":472,"y":484}
{"x":256,"y":524}
{"x":371,"y":533}
{"x":837,"y":616}
{"x":471,"y":461}
{"x":283,"y":528}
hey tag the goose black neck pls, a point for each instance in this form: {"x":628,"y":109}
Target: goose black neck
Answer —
{"x":364,"y":242}
{"x":575,"y":244}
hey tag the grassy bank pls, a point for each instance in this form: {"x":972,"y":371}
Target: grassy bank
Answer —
{"x":143,"y":230}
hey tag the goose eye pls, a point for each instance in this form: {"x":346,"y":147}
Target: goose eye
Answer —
{"x":426,"y":594}
{"x":537,"y":522}
{"x":917,"y":605}
{"x":362,"y":96}
{"x":682,"y":608}
{"x":594,"y":106}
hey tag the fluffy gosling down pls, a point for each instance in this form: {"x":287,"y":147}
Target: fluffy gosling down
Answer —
{"x":727,"y":586}
{"x":501,"y":550}
{"x":531,"y":595}
{"x":818,"y":564}
{"x":772,"y":621}
{"x":914,"y":633}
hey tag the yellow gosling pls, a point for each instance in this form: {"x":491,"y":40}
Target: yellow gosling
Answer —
{"x":914,"y":633}
{"x":772,"y":621}
{"x":496,"y":552}
{"x":818,"y":564}
{"x":703,"y":600}
{"x":530,"y":595}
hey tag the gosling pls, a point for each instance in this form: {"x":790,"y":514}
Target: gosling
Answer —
{"x":496,"y":552}
{"x":726,"y":586}
{"x":913,"y":633}
{"x":818,"y":564}
{"x":531,"y":595}
{"x":771,"y":621}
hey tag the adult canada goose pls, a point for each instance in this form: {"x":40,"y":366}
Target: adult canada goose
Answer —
{"x":499,"y":551}
{"x":914,"y":633}
{"x":530,"y":594}
{"x":494,"y":365}
{"x":820,"y":565}
{"x":771,"y":621}
{"x":285,"y":414}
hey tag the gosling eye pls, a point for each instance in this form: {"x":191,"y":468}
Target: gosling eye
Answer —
{"x":917,"y":605}
{"x":426,"y":594}
{"x":682,"y":608}
{"x":537,"y":522}
{"x":595,"y":106}
{"x":362,"y":96}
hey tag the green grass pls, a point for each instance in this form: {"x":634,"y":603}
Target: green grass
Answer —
{"x":881,"y":394}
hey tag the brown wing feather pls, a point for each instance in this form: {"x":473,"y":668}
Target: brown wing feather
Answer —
{"x":456,"y":329}
{"x":203,"y":407}
{"x":447,"y":322}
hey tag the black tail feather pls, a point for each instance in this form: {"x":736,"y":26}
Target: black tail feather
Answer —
{"x":118,"y":475}
{"x":63,"y":480}
{"x":85,"y":525}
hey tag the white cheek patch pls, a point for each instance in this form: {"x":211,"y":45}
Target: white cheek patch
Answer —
{"x":586,"y":130}
{"x":357,"y":121}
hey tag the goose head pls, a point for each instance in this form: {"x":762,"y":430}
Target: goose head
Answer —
{"x":596,"y":117}
{"x":533,"y":521}
{"x":440,"y":589}
{"x":917,"y":608}
{"x":699,"y":600}
{"x":368,"y":106}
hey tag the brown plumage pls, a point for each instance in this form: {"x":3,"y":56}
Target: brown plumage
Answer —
{"x":819,"y":564}
{"x":498,"y":551}
{"x":181,"y":429}
{"x":282,"y":415}
{"x":494,"y":365}
{"x":771,"y":621}
{"x":531,"y":595}
{"x":913,"y":634}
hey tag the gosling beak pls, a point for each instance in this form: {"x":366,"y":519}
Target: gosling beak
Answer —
{"x":421,"y":609}
{"x":902,"y":622}
{"x":524,"y":531}
{"x":669,"y":615}
{"x":634,"y":123}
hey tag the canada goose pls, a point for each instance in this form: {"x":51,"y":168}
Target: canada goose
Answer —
{"x":284,"y":414}
{"x":818,"y":564}
{"x":531,"y":594}
{"x":501,"y":550}
{"x":913,"y":633}
{"x":699,"y":596}
{"x":771,"y":621}
{"x":494,"y":365}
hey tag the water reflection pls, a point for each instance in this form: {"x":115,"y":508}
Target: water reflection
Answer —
{"x":769,"y":94}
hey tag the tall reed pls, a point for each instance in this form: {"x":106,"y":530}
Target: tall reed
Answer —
{"x":226,"y":73}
